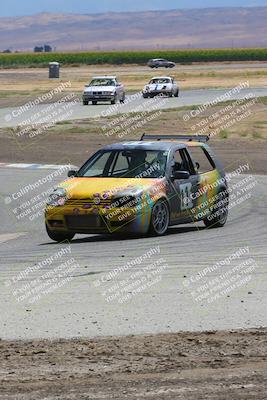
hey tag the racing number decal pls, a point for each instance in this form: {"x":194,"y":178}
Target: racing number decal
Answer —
{"x":185,"y":196}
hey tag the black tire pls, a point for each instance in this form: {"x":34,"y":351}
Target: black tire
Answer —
{"x":170,"y":94}
{"x":176,"y":94}
{"x":122,"y":100}
{"x":160,"y":218}
{"x":145,"y":96}
{"x":114,"y":101}
{"x":94,"y":102}
{"x":85,"y":102}
{"x":59,"y":236}
{"x":219,"y":212}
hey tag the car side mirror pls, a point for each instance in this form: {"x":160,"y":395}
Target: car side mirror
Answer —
{"x":72,"y":173}
{"x":197,"y":165}
{"x":180,"y":175}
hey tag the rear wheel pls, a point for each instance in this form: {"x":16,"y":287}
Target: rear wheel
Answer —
{"x":219,"y":212}
{"x":85,"y":102}
{"x":160,"y":218}
{"x":122,"y":100}
{"x":176,"y":94}
{"x":170,"y":94}
{"x":59,"y":236}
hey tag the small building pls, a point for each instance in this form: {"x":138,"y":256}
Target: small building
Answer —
{"x":47,"y":48}
{"x":38,"y":49}
{"x":54,"y":70}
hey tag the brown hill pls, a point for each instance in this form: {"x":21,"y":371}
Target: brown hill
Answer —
{"x":210,"y":27}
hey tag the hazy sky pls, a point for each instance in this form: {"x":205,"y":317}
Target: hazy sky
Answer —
{"x":25,"y":7}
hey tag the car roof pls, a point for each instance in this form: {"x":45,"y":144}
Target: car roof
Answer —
{"x":161,"y":77}
{"x":159,"y":145}
{"x":104,"y":77}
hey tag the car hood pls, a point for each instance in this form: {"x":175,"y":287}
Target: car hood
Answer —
{"x":100,"y":89}
{"x":108,"y":188}
{"x":158,"y":86}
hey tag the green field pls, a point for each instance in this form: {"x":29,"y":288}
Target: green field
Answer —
{"x":132,"y":57}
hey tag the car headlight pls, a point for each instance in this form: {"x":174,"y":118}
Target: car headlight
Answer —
{"x":57,"y":198}
{"x":127,"y":201}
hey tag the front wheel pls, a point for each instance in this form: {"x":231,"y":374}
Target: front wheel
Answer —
{"x":176,"y":94}
{"x":59,"y":236}
{"x":94,"y":103}
{"x":219,"y":213}
{"x":114,"y":101}
{"x":160,"y":218}
{"x":85,"y":102}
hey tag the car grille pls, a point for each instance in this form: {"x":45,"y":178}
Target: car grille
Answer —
{"x":87,"y":203}
{"x":97,"y":93}
{"x":84,"y":221}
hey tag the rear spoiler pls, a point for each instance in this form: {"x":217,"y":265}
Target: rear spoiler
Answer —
{"x":183,"y":138}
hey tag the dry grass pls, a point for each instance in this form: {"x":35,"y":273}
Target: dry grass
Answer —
{"x":20,"y":85}
{"x":171,"y":121}
{"x":77,"y":140}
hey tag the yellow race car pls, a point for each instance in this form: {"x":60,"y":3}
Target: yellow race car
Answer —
{"x":141,"y":187}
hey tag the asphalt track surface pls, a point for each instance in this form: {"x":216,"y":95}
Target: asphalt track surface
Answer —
{"x":73,"y":110}
{"x":79,"y":307}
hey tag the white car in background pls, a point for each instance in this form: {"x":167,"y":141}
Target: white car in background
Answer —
{"x":103,"y":88}
{"x":163,"y":85}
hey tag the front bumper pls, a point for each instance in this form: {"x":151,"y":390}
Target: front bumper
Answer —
{"x":157,"y":92}
{"x":68,"y":220}
{"x":98,"y":97}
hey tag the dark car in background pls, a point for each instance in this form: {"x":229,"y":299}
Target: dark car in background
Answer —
{"x":160,"y":63}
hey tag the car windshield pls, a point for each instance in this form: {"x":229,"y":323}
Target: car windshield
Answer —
{"x":103,"y":82}
{"x":126,"y":164}
{"x":160,"y":80}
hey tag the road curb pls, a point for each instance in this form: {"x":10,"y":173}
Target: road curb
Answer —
{"x":35,"y":166}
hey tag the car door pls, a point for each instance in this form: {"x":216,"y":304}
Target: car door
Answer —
{"x":182,"y":192}
{"x":208,"y":177}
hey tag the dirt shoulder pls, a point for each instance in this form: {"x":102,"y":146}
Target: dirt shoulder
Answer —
{"x":75,"y":141}
{"x":210,"y":365}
